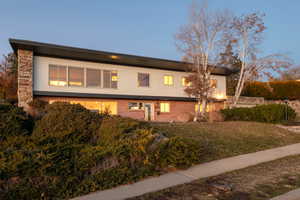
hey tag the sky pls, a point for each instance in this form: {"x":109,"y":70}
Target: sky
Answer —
{"x":138,"y":27}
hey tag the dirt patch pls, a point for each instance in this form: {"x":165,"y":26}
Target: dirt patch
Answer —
{"x":260,"y":182}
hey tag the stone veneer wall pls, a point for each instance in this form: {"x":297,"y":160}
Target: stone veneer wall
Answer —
{"x":25,"y":77}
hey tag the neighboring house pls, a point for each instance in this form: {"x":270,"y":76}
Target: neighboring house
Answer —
{"x":127,"y":85}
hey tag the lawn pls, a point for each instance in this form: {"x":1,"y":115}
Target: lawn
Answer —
{"x":225,"y":139}
{"x":260,"y":182}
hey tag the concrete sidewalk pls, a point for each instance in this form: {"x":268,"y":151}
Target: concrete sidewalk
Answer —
{"x":292,"y":195}
{"x":198,"y":171}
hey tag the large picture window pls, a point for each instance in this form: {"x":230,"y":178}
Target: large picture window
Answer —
{"x":110,"y":79}
{"x":135,"y":106}
{"x":76,"y":76}
{"x":93,"y":78}
{"x":143,"y":80}
{"x":57,"y":75}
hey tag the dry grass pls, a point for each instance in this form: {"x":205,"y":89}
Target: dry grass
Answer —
{"x":260,"y":182}
{"x":231,"y":138}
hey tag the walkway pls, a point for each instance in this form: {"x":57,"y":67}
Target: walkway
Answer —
{"x":292,"y":195}
{"x":198,"y":171}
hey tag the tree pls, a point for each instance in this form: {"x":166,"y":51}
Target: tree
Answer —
{"x":230,"y":60}
{"x":290,"y":74}
{"x":247,"y":33}
{"x":8,"y":77}
{"x":201,"y":41}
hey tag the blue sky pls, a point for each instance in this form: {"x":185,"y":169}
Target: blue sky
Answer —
{"x":139,"y":27}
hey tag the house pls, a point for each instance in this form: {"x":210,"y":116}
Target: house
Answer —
{"x":132,"y":86}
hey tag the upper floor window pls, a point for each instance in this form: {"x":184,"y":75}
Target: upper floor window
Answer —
{"x":164,"y":107}
{"x":110,"y":79}
{"x":168,"y":80}
{"x":213,"y":83}
{"x":93,"y":78}
{"x":57,"y":75}
{"x":76,"y":76}
{"x":143,"y":80}
{"x":184,"y":82}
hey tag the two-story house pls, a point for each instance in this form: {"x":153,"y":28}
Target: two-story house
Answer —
{"x":132,"y":86}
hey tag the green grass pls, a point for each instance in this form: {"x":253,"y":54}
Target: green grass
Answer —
{"x":226,"y":139}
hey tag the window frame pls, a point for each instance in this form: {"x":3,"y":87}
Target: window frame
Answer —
{"x":160,"y":106}
{"x":168,"y":75}
{"x":66,"y":75}
{"x":139,"y":109}
{"x":86,"y":78}
{"x":111,"y":71}
{"x":138,"y":83}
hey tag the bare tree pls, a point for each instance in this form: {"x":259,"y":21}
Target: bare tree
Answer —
{"x":201,"y":41}
{"x":290,"y":74}
{"x":247,"y":35}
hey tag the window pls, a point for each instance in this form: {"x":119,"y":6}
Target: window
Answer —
{"x":168,"y":80}
{"x":76,"y":76}
{"x":110,"y":79}
{"x":184,"y":82}
{"x":96,"y":106}
{"x":135,"y":106}
{"x":209,"y":107}
{"x":93,"y":78}
{"x":143,"y":80}
{"x":213,"y":83}
{"x":164,"y":107}
{"x":57,"y":75}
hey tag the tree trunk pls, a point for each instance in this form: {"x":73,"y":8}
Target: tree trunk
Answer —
{"x":197,"y":114}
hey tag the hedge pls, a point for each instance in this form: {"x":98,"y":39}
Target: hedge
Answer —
{"x":73,"y":151}
{"x":275,"y":90}
{"x":271,"y":113}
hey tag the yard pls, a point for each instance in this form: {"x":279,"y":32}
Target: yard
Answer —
{"x":259,"y":182}
{"x":225,"y":139}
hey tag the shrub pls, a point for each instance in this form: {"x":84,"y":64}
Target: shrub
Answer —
{"x":37,"y":108}
{"x":65,"y":122}
{"x":274,"y":90}
{"x":14,"y":121}
{"x":271,"y":113}
{"x":179,"y":152}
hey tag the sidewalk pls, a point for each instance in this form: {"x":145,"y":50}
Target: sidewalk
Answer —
{"x":198,"y":171}
{"x":292,"y":195}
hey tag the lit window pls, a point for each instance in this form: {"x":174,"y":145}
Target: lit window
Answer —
{"x":184,"y":82}
{"x":143,"y":80}
{"x":57,"y":75}
{"x":213,"y":83}
{"x":76,"y":76}
{"x":164,"y":107}
{"x":110,"y":79}
{"x":93,"y":78}
{"x":101,"y":107}
{"x":208,"y":108}
{"x":168,"y":80}
{"x":135,"y":106}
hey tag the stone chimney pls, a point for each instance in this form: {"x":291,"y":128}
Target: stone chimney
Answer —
{"x":25,"y":78}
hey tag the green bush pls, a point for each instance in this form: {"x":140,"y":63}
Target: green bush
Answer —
{"x":64,"y":122}
{"x":179,"y":152}
{"x":73,"y":151}
{"x":14,"y":121}
{"x":274,"y":90}
{"x":271,"y":113}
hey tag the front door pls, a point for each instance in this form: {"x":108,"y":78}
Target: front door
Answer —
{"x":148,"y":111}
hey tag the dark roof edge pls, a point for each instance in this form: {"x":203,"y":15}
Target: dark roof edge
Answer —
{"x":114,"y":96}
{"x":67,"y":52}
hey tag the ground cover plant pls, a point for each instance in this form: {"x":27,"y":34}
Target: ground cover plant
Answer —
{"x":72,"y":151}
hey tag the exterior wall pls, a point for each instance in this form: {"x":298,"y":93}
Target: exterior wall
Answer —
{"x":245,"y":101}
{"x":25,"y":77}
{"x":179,"y":110}
{"x":127,"y":79}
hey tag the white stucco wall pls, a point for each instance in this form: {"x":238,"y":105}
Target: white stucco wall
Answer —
{"x":127,"y":79}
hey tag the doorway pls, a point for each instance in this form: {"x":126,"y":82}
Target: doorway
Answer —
{"x":149,"y":114}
